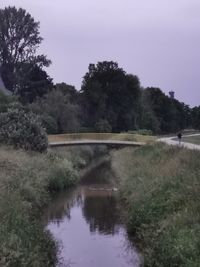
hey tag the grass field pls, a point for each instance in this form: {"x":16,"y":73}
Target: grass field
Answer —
{"x":160,"y":193}
{"x":101,"y":136}
{"x":192,"y":139}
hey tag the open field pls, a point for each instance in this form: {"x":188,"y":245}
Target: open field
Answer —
{"x":192,"y":139}
{"x":160,"y":193}
{"x":101,"y":136}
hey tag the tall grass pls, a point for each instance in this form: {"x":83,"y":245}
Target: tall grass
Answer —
{"x":26,"y":183}
{"x":160,"y":187}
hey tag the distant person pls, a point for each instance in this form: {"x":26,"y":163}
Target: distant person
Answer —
{"x":179,"y":135}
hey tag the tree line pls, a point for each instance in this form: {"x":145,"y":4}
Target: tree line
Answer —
{"x":110,"y":100}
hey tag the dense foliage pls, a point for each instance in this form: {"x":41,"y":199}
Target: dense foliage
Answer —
{"x":57,"y":112}
{"x":111,"y":95}
{"x":22,"y":128}
{"x":161,"y":113}
{"x":196,"y":117}
{"x":19,"y":40}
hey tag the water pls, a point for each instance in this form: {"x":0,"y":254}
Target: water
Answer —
{"x":86,"y":222}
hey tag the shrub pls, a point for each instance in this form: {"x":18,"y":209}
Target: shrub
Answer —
{"x":22,"y":128}
{"x":59,"y":114}
{"x":49,"y":124}
{"x":103,"y":126}
{"x":142,"y":132}
{"x":5,"y":101}
{"x":62,"y":175}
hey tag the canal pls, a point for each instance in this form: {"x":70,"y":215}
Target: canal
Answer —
{"x":87,"y":224}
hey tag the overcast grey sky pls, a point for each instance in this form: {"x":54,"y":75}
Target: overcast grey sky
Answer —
{"x":158,"y":40}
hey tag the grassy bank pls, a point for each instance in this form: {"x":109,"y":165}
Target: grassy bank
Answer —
{"x":27,"y":182}
{"x":160,"y":187}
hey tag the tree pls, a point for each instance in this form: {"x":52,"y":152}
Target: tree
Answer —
{"x":147,"y":118}
{"x":195,"y":114}
{"x":170,"y":114}
{"x":58,"y":114}
{"x":36,"y":83}
{"x":69,"y":90}
{"x":109,"y":94}
{"x":19,"y":40}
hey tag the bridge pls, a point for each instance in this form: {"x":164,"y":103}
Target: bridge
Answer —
{"x":111,"y":143}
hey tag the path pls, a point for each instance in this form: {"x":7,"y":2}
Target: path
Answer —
{"x":95,"y":142}
{"x":170,"y":141}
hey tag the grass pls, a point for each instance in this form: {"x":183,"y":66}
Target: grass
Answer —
{"x":160,"y":192}
{"x":101,"y":136}
{"x":27,"y":181}
{"x":192,"y":139}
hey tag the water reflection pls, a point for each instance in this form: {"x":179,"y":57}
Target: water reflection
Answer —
{"x":86,"y":221}
{"x":101,"y":214}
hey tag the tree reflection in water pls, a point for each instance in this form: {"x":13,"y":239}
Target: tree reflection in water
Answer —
{"x":101,"y":214}
{"x":86,"y":220}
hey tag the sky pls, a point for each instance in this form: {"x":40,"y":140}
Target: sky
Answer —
{"x":157,"y":40}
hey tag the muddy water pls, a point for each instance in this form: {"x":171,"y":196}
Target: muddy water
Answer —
{"x":87,"y":225}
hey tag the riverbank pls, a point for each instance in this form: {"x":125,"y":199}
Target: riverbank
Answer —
{"x":160,"y":188}
{"x":27,"y":182}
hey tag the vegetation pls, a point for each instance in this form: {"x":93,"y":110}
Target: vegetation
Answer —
{"x":163,"y":114}
{"x":21,"y":128}
{"x":110,"y":95}
{"x":192,"y":139}
{"x":110,"y":100}
{"x":21,"y":67}
{"x":160,"y":189}
{"x":26,"y":182}
{"x":58,"y":113}
{"x":195,"y":114}
{"x":159,"y":184}
{"x":5,"y":101}
{"x":101,"y":136}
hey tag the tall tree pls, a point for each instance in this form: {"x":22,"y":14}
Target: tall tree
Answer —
{"x":19,"y":40}
{"x":36,"y":83}
{"x":110,"y":95}
{"x":170,"y":114}
{"x":69,"y":90}
{"x":195,"y":114}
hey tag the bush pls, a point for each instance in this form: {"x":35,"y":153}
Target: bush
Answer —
{"x":62,"y":175}
{"x":5,"y":101}
{"x":103,"y":126}
{"x":49,"y":124}
{"x":59,"y":115}
{"x":142,"y":132}
{"x":21,"y":128}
